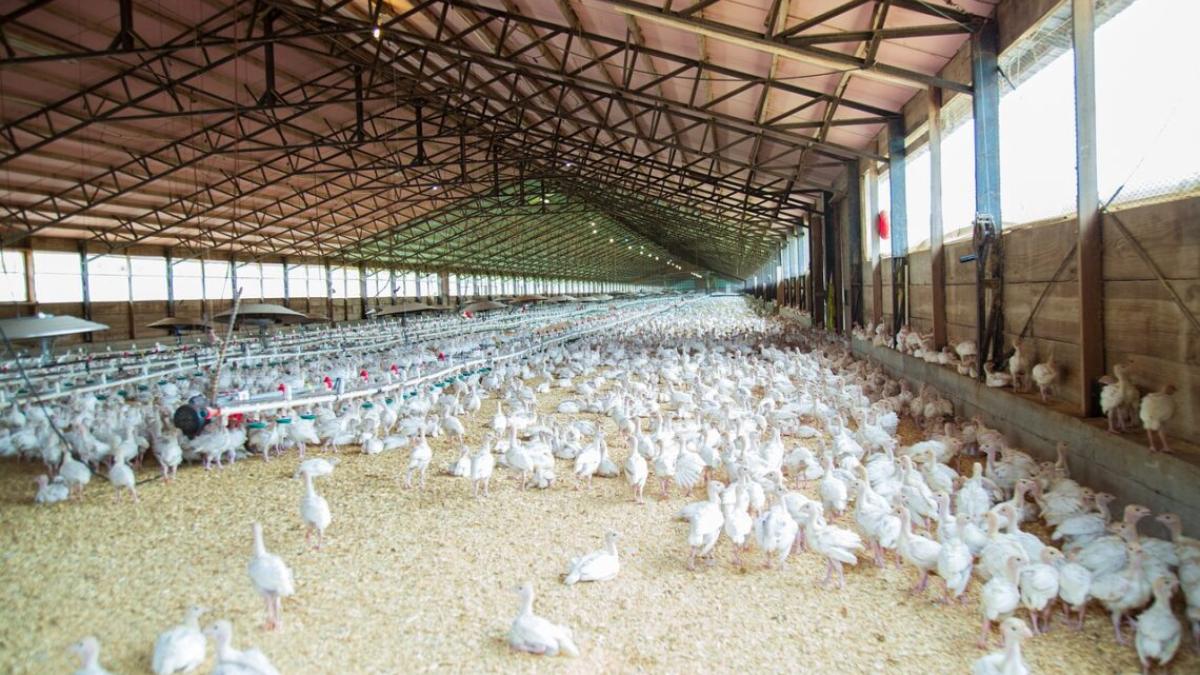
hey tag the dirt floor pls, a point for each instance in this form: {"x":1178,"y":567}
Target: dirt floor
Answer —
{"x":413,"y":581}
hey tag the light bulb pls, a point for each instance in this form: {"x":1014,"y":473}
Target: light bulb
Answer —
{"x":376,"y":32}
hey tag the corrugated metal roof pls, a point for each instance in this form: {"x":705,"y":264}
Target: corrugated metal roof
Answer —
{"x":705,"y":131}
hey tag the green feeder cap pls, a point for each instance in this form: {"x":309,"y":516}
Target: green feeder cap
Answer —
{"x":199,"y":374}
{"x":283,"y":420}
{"x":308,"y":416}
{"x":256,"y":425}
{"x":121,"y":393}
{"x":101,"y":397}
{"x":388,"y":400}
{"x":368,"y":405}
{"x":143,"y":387}
{"x":162,"y":383}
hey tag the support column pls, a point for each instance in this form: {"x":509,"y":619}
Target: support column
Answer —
{"x":30,"y":286}
{"x":329,"y":291}
{"x":816,"y":270}
{"x":170,"y":283}
{"x":392,"y":284}
{"x":362,"y":288}
{"x":937,"y":253}
{"x":897,"y":165}
{"x":1090,"y":252}
{"x":986,"y":108}
{"x":876,"y":268}
{"x":287,"y":296}
{"x":444,"y":288}
{"x":83,"y":280}
{"x":833,"y":264}
{"x":853,"y":205}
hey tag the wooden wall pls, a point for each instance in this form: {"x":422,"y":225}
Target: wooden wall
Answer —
{"x":1142,"y":325}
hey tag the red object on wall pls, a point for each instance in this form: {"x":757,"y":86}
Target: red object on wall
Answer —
{"x":882,"y":224}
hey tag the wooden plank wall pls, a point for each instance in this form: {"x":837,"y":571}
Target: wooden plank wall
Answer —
{"x":1143,"y":326}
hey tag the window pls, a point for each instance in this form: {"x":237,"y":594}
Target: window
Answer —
{"x":958,"y":169}
{"x":149,"y":277}
{"x":12,"y":277}
{"x":353,"y":282}
{"x":189,"y":283}
{"x":408,"y":284}
{"x":317,"y":285}
{"x":917,"y":196}
{"x":56,"y":277}
{"x":338,"y":280}
{"x":377,"y":283}
{"x":453,"y":285}
{"x":1037,"y":144}
{"x":217,"y":285}
{"x":429,"y":286}
{"x":108,"y":278}
{"x":272,"y":280}
{"x":297,"y":278}
{"x":249,"y":279}
{"x":1145,"y":111}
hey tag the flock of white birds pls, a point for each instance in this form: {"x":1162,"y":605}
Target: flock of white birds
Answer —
{"x":740,"y":411}
{"x":1120,"y":399}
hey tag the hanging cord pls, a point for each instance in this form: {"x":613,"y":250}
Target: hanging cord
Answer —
{"x":216,"y":377}
{"x":12,"y":352}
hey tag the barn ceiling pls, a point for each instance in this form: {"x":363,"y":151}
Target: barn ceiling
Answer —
{"x":610,"y":139}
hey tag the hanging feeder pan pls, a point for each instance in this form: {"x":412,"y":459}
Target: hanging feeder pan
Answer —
{"x":175,"y":324}
{"x":47,"y":326}
{"x":263,"y":314}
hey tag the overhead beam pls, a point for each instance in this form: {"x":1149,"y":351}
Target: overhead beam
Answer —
{"x":835,"y":61}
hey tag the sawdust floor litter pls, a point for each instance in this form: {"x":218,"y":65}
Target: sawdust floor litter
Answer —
{"x":421,"y":580}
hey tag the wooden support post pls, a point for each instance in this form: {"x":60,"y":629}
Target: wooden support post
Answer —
{"x":170,"y":283}
{"x":1090,"y":251}
{"x":129,"y":297}
{"x":986,"y":107}
{"x":833,"y":263}
{"x":937,"y":253}
{"x":30,"y":286}
{"x":329,"y":291}
{"x":362,"y":290}
{"x":876,"y":268}
{"x":83,"y":280}
{"x":817,"y":268}
{"x":897,"y":168}
{"x":444,"y":288}
{"x":287,"y":296}
{"x":854,"y":212}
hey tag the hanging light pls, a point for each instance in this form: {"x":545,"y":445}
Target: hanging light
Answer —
{"x":376,"y":32}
